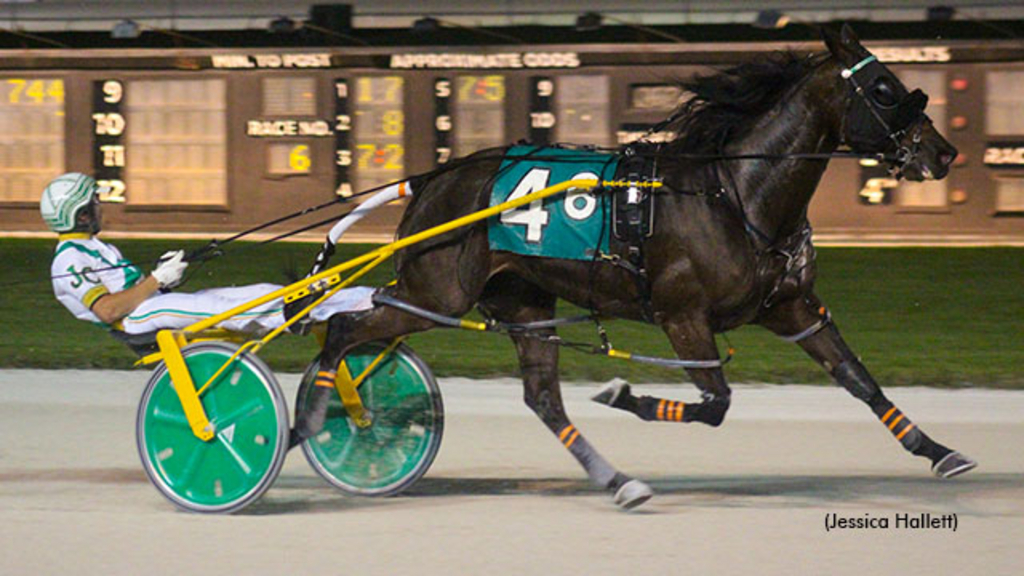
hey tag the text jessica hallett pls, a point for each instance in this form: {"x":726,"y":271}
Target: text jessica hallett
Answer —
{"x":923,"y":521}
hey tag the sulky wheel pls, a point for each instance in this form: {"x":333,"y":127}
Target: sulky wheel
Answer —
{"x":250,"y":419}
{"x":404,"y":404}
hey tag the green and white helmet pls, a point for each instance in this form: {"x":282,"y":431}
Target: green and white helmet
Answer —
{"x":64,"y":197}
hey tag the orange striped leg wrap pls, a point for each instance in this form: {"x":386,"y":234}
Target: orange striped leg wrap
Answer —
{"x":901,"y":427}
{"x":568,"y":436}
{"x":670,"y":410}
{"x":325,"y":379}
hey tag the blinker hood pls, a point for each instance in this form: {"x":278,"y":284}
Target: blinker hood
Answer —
{"x":880,"y":107}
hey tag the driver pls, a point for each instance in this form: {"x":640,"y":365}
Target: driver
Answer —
{"x":97,"y":284}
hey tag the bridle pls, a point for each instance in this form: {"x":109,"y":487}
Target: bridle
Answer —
{"x":894,"y":122}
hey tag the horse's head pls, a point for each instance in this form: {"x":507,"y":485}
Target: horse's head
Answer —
{"x":883,"y":117}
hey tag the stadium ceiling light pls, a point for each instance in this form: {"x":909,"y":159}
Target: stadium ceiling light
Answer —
{"x":771,"y":20}
{"x":125,"y":29}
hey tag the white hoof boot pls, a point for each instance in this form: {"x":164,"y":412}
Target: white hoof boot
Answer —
{"x":954,"y":464}
{"x":610,"y":392}
{"x":632,"y":494}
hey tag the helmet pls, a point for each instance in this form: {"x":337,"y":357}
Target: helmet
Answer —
{"x":64,"y":198}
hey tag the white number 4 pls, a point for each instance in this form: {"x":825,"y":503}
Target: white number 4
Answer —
{"x":533,"y":216}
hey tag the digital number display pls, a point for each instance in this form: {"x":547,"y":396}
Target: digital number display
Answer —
{"x":378,"y":150}
{"x":29,"y":92}
{"x":479,"y":113}
{"x":31,"y":136}
{"x":583,"y":110}
{"x":661,"y":97}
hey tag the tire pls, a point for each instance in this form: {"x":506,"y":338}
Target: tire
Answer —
{"x":250,"y":416}
{"x":397,"y":449}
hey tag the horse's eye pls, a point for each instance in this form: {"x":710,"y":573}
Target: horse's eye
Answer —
{"x":883,"y":95}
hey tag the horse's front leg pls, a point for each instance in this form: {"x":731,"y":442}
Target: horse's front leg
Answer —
{"x":510,"y":299}
{"x":806,"y":322}
{"x":691,"y":340}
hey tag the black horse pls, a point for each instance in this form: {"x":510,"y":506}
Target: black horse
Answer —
{"x":736,"y":253}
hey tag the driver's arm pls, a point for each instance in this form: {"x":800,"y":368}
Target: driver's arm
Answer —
{"x":111,"y":308}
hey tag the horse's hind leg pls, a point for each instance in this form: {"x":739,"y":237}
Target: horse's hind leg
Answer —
{"x":692,"y":340}
{"x":510,"y":299}
{"x":804,"y":320}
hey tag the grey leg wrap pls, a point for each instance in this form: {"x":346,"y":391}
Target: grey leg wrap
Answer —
{"x":600,"y":471}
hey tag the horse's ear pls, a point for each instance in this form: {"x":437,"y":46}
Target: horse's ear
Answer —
{"x":850,"y":39}
{"x":833,"y":41}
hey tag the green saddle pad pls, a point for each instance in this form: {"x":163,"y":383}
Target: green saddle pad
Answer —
{"x":568,"y":226}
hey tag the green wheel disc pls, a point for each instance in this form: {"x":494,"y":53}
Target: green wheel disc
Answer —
{"x":404,"y":403}
{"x":250,"y":419}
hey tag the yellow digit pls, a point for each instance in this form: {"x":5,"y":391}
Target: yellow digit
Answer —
{"x":495,"y":91}
{"x":395,"y":158}
{"x":299,"y":158}
{"x":466,"y":87}
{"x":394,"y":86}
{"x":36,"y":91}
{"x":365,"y":90}
{"x":368,"y":151}
{"x":393,"y":123}
{"x":56,"y":91}
{"x":15,"y":95}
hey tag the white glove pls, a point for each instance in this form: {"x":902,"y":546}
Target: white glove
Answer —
{"x":170,"y":270}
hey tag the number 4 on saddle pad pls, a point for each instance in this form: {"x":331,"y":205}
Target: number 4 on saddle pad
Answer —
{"x":568,"y":226}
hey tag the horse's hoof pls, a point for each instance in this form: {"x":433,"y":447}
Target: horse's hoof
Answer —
{"x":611,"y":392}
{"x":632,"y":494}
{"x":953,"y":464}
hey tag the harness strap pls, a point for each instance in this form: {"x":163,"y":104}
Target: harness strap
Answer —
{"x":811,"y":330}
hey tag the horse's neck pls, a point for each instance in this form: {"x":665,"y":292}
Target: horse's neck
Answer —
{"x":775,"y":194}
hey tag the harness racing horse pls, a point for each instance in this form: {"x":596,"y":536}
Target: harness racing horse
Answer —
{"x":715,"y":261}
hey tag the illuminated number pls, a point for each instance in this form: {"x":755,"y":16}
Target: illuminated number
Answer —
{"x":542,"y":119}
{"x":393,"y":122}
{"x":466,"y":84}
{"x":113,"y":91}
{"x":344,"y":123}
{"x":443,"y":88}
{"x":345,"y":190}
{"x":443,"y":123}
{"x":545,"y":88}
{"x":15,"y":94}
{"x":580,"y":204}
{"x":443,"y":155}
{"x":368,"y":152}
{"x":394,"y":161}
{"x":56,"y":91}
{"x":365,"y":90}
{"x":116,"y":193}
{"x":341,"y":89}
{"x":394,"y":86}
{"x":298,"y":159}
{"x":113,"y":155}
{"x":111,"y":124}
{"x":875,"y":190}
{"x":343,"y":157}
{"x":494,"y":88}
{"x":36,"y":91}
{"x":534,"y":216}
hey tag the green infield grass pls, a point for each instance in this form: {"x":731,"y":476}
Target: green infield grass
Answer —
{"x":916,"y":316}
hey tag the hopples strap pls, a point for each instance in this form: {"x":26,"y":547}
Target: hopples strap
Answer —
{"x":670,"y":410}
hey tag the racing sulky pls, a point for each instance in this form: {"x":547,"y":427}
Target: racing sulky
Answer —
{"x":725,"y":241}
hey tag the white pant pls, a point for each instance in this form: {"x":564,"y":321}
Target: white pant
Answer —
{"x":174,"y":310}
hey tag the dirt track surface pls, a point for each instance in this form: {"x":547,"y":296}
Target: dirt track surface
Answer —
{"x":504,"y":497}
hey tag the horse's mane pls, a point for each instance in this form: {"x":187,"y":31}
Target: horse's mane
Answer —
{"x":726,"y":102}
